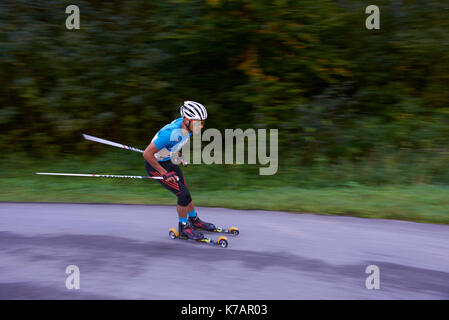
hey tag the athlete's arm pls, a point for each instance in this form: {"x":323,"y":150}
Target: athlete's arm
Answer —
{"x":148,"y":155}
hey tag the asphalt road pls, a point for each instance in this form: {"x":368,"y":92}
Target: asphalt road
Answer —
{"x":124,"y":252}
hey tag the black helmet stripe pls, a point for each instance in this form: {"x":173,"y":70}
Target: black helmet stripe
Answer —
{"x":197,"y":109}
{"x":189,"y":112}
{"x":201,"y":111}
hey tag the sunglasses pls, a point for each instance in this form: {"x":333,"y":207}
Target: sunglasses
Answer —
{"x":196,"y":123}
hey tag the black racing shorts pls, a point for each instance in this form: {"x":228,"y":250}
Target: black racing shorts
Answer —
{"x":178,"y":188}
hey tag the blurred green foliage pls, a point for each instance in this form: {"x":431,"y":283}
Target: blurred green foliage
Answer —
{"x":337,"y":91}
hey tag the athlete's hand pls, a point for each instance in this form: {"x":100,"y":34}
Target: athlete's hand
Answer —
{"x":183,"y":163}
{"x":170,"y":177}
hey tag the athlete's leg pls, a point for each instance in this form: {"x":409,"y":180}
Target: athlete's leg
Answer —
{"x":182,"y":213}
{"x":191,"y":210}
{"x":179,"y":173}
{"x":183,"y":195}
{"x":187,"y":200}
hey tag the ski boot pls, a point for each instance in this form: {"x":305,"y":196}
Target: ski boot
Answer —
{"x":199,"y":224}
{"x":188,"y":231}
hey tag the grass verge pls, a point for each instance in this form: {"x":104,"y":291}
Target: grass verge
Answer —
{"x":235,"y":187}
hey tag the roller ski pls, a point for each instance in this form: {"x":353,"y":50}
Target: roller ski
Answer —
{"x":188,"y":232}
{"x":200,"y":225}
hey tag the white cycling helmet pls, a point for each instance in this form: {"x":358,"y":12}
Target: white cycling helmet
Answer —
{"x":193,"y":111}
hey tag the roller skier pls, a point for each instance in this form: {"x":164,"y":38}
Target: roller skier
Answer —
{"x":160,"y":157}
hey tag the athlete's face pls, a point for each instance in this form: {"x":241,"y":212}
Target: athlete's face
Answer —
{"x":196,"y":126}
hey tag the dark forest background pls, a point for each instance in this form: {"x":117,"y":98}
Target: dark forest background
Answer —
{"x":335,"y":90}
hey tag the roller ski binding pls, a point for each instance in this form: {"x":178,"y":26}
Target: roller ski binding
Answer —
{"x":200,"y":225}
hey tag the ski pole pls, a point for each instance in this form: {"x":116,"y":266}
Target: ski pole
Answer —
{"x":97,"y":175}
{"x":114,"y":144}
{"x":119,"y":145}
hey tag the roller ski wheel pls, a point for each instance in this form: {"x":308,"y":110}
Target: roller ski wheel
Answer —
{"x":221,"y":241}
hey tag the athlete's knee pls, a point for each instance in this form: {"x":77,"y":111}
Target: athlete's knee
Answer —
{"x":184,"y":197}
